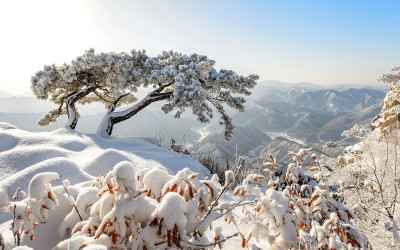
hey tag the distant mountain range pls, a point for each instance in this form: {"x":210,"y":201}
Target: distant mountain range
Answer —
{"x":309,"y":115}
{"x":303,"y":111}
{"x":30,"y":104}
{"x":278,"y":91}
{"x":332,"y":129}
{"x":348,"y":100}
{"x":245,"y":139}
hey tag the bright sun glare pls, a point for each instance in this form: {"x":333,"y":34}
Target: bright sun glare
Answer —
{"x":44,"y":29}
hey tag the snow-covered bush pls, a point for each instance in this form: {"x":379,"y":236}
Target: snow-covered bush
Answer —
{"x":300,"y":211}
{"x":32,"y":210}
{"x":373,"y":167}
{"x":152,"y":209}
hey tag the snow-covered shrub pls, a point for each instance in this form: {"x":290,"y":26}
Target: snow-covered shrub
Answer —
{"x":212,"y":164}
{"x":300,"y":211}
{"x":373,"y":167}
{"x":179,"y":148}
{"x":152,"y":209}
{"x":147,"y":210}
{"x":32,"y":210}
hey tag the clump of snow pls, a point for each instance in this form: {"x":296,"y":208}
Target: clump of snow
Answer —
{"x":229,"y":177}
{"x":86,"y":198}
{"x":153,"y":182}
{"x":172,"y":210}
{"x":39,"y":184}
{"x":41,"y":195}
{"x":125,"y":175}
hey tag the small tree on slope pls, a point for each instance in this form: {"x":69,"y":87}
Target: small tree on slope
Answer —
{"x":390,"y":114}
{"x":184,"y":81}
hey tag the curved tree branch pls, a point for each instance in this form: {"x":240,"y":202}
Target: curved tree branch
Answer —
{"x":61,"y":105}
{"x":114,"y":104}
{"x":101,"y":98}
{"x":111,"y":118}
{"x":72,"y":99}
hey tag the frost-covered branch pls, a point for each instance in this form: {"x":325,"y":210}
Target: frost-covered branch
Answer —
{"x":111,"y":118}
{"x":70,"y":199}
{"x":212,"y":244}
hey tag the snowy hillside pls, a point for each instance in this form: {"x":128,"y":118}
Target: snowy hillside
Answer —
{"x":77,"y":157}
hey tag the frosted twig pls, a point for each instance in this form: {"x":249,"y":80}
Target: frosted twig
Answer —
{"x":73,"y":205}
{"x":212,"y":244}
{"x":226,"y":187}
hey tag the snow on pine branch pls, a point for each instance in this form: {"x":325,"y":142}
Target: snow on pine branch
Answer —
{"x":151,"y":209}
{"x":389,"y":116}
{"x":198,"y":85}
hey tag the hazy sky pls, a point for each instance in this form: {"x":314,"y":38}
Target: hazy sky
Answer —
{"x":323,"y":42}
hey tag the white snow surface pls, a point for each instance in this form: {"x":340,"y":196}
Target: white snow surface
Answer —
{"x":77,"y":157}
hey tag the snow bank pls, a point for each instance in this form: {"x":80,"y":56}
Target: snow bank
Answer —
{"x":5,"y":126}
{"x":77,"y":157}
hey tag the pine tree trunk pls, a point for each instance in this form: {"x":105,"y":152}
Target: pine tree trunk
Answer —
{"x":72,"y":116}
{"x":71,"y":99}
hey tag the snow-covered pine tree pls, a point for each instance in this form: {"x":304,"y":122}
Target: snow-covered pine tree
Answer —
{"x":184,"y":81}
{"x":89,"y":78}
{"x":390,"y":113}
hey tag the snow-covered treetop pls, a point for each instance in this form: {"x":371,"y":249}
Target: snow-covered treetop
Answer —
{"x":391,"y":109}
{"x":393,"y":95}
{"x":391,"y":78}
{"x":112,"y":73}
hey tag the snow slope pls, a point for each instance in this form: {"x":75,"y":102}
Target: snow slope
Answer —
{"x":77,"y":157}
